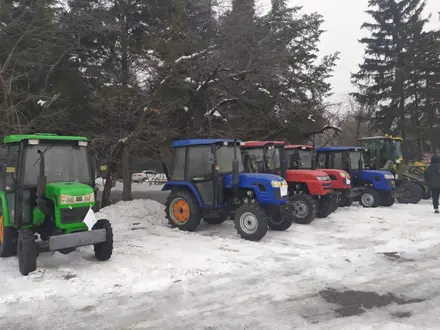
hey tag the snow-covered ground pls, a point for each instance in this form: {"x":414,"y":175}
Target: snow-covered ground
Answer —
{"x":381,"y":264}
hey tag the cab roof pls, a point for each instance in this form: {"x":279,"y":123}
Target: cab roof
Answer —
{"x":41,"y":136}
{"x":201,"y":142}
{"x":341,"y":148}
{"x":298,"y":146}
{"x":259,"y":144}
{"x":381,"y":137}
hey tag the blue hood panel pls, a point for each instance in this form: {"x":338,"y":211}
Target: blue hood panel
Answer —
{"x":377,"y":177}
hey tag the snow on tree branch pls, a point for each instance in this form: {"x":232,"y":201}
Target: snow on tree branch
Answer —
{"x":194,"y":55}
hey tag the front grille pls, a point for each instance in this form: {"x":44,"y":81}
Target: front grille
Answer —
{"x":327,"y":186}
{"x":74,"y":215}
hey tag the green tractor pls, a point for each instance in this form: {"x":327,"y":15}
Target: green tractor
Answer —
{"x":385,"y":153}
{"x":47,"y":196}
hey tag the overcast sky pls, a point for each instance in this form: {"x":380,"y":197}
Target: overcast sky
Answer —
{"x":342,"y":21}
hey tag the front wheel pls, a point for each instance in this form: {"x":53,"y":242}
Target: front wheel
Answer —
{"x":369,"y":198}
{"x":387,"y":200}
{"x":346,"y":201}
{"x":251,"y":222}
{"x":104,"y":250}
{"x":305,"y":206}
{"x":182,"y":210}
{"x":327,"y":205}
{"x":411,"y":193}
{"x":27,"y":251}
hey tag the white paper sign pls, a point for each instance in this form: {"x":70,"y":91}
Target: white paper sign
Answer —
{"x":283,"y":191}
{"x":90,"y":219}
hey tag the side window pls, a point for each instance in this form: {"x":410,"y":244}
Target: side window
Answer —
{"x":321,"y":160}
{"x":198,"y":164}
{"x":336,"y":160}
{"x":178,"y":170}
{"x":12,"y":162}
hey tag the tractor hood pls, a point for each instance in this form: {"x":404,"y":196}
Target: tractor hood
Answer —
{"x":383,"y":174}
{"x":55,"y":189}
{"x":304,"y":175}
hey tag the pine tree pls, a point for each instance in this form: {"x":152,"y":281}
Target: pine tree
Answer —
{"x":387,"y":79}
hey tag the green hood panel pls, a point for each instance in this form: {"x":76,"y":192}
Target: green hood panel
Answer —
{"x":55,"y":189}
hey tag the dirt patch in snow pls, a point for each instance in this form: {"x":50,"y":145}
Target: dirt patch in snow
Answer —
{"x":355,"y":302}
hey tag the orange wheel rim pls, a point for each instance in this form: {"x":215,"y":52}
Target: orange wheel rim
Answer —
{"x":1,"y":228}
{"x":181,"y":210}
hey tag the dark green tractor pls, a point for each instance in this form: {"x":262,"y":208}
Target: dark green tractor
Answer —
{"x":385,"y":153}
{"x":48,"y":198}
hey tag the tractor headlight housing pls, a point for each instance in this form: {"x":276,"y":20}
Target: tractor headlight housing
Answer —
{"x":323,"y":178}
{"x":388,"y":176}
{"x":278,"y":184}
{"x":69,"y":199}
{"x":344,"y":175}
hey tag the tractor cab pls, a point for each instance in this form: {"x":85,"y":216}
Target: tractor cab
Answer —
{"x":382,"y":152}
{"x":207,"y":180}
{"x":385,"y":153}
{"x":47,"y":187}
{"x":373,"y":187}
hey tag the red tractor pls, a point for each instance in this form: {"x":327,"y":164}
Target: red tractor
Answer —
{"x":303,"y":157}
{"x":309,"y":190}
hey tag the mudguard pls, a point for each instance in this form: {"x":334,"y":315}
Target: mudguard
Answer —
{"x":175,"y":184}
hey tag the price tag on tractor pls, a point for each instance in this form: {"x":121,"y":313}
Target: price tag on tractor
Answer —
{"x":283,"y":191}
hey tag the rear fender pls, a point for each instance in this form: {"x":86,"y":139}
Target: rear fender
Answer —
{"x":170,"y":185}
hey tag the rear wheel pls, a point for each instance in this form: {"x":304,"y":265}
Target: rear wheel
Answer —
{"x":182,"y":210}
{"x":8,"y":240}
{"x":369,"y":198}
{"x":411,"y":193}
{"x":306,"y":208}
{"x":104,"y":250}
{"x":251,"y":222}
{"x":27,"y":251}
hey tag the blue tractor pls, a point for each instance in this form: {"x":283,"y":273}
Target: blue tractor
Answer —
{"x":372,"y":188}
{"x":207,"y":182}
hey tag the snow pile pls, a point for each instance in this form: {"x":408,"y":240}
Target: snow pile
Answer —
{"x":167,"y":279}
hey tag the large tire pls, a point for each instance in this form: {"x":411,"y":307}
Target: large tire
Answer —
{"x":27,"y":251}
{"x":346,"y":201}
{"x":369,"y":198}
{"x":216,"y":221}
{"x":306,"y":208}
{"x":280,"y":217}
{"x":182,"y":210}
{"x":8,"y":240}
{"x":251,"y":222}
{"x":104,"y":250}
{"x":326,"y":206}
{"x":387,"y":200}
{"x":411,"y":193}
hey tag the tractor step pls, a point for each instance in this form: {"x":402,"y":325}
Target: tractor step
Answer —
{"x":66,"y":241}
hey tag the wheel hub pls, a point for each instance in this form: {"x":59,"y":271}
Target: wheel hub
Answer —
{"x":301,"y":209}
{"x":248,"y":223}
{"x":179,"y":211}
{"x":368,"y":199}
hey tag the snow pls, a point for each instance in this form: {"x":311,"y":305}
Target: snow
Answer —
{"x":160,"y":278}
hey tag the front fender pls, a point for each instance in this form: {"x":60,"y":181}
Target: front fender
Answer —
{"x":170,"y":185}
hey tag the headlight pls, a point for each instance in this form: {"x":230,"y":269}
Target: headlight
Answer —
{"x":68,"y":199}
{"x":278,"y":184}
{"x":323,"y":178}
{"x":398,"y":161}
{"x":388,"y":176}
{"x":344,"y":174}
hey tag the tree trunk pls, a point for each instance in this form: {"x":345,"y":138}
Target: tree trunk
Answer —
{"x":126,"y":165}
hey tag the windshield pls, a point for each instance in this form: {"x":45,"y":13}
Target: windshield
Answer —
{"x":299,"y":158}
{"x":354,"y":157}
{"x":63,"y":163}
{"x":225,"y":156}
{"x":254,"y":160}
{"x":273,"y":158}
